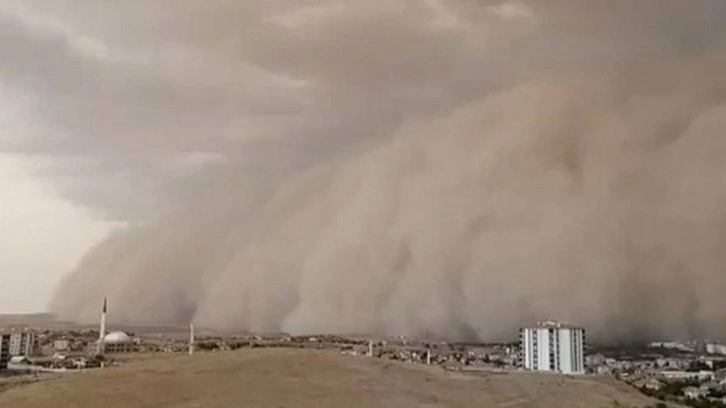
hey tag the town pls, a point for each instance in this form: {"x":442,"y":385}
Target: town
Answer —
{"x":691,"y":373}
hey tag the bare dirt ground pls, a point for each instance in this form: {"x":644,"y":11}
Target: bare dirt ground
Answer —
{"x":8,"y":382}
{"x":288,"y":378}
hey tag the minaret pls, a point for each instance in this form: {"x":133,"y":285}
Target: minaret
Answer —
{"x":191,"y":339}
{"x":428,"y":357}
{"x":102,"y":331}
{"x":370,"y":348}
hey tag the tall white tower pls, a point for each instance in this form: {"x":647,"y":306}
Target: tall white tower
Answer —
{"x":552,"y":346}
{"x":191,"y":339}
{"x":102,"y":330}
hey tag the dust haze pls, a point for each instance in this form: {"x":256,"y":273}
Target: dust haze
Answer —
{"x":448,"y":168}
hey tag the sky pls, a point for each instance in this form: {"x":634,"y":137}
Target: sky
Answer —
{"x":44,"y":236}
{"x":391,"y":166}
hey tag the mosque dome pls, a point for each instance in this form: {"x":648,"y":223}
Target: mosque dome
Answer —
{"x":117,"y":337}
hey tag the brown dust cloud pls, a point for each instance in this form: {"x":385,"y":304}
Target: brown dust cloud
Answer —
{"x":444,"y":168}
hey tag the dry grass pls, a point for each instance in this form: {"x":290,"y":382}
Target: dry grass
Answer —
{"x":304,"y":378}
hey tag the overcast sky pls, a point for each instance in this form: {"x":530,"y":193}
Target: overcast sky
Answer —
{"x":43,"y":236}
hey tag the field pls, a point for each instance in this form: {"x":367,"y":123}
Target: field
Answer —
{"x":280,"y":378}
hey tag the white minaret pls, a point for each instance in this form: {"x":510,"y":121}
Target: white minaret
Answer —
{"x":428,"y":357}
{"x":370,"y":348}
{"x":102,"y":331}
{"x":191,"y":339}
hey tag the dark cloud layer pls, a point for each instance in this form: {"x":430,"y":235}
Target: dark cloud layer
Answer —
{"x":439,"y":167}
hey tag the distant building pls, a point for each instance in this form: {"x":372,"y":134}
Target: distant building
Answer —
{"x":18,"y":363}
{"x":673,"y":345}
{"x":22,"y":343}
{"x":4,"y":351}
{"x":603,"y":370}
{"x":672,"y":363}
{"x":694,"y":393}
{"x":61,"y":344}
{"x":688,"y":375}
{"x":117,"y":342}
{"x":15,"y":344}
{"x":553,"y":347}
{"x":713,"y":348}
{"x":652,"y":384}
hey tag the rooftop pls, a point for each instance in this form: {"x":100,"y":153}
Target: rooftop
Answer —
{"x":117,"y":337}
{"x":553,"y":324}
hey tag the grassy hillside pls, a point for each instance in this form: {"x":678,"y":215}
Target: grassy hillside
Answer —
{"x":298,"y":378}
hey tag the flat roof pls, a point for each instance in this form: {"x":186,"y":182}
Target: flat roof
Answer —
{"x":552,"y":324}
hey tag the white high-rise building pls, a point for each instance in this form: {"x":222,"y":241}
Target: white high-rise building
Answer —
{"x":22,"y":343}
{"x":554,"y":347}
{"x":4,"y":351}
{"x":15,"y":344}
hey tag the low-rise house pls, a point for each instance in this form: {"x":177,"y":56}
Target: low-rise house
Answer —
{"x":687,"y":375}
{"x":714,"y":348}
{"x":61,"y":345}
{"x":653,"y":384}
{"x":603,"y":370}
{"x":595,"y":360}
{"x":18,"y":361}
{"x":672,"y":363}
{"x":58,"y":357}
{"x":694,"y":393}
{"x":713,"y":386}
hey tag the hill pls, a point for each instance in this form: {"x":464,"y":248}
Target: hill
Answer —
{"x":304,"y":378}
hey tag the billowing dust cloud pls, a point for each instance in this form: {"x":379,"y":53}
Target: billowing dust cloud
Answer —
{"x":441,"y":168}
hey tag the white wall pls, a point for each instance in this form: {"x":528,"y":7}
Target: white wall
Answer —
{"x":543,"y":350}
{"x":566,"y":349}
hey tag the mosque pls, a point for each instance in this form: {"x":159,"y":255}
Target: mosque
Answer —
{"x":114,"y":342}
{"x":117,"y":342}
